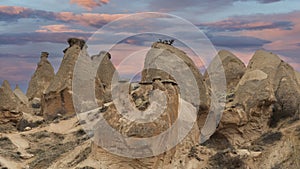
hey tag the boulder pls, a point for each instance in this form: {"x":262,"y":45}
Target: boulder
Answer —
{"x":267,"y":94}
{"x":58,"y":96}
{"x":41,"y":78}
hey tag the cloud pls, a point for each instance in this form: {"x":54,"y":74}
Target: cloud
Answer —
{"x":282,"y":39}
{"x":236,"y":24}
{"x":9,"y":55}
{"x":89,"y":4}
{"x":58,"y":28}
{"x":38,"y":37}
{"x":237,"y":41}
{"x":88,"y":19}
{"x":13,"y":13}
{"x":278,"y":33}
{"x":268,"y":1}
{"x":12,"y":9}
{"x":204,"y":5}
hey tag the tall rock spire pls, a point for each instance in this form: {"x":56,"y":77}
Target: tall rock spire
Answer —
{"x":58,"y":96}
{"x":41,"y":78}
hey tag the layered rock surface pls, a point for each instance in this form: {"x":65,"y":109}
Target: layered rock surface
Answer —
{"x":9,"y":108}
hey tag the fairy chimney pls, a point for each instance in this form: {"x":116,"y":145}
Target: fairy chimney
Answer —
{"x":41,"y":78}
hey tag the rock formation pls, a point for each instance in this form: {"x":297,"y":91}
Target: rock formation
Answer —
{"x":260,"y":126}
{"x":176,"y":62}
{"x":9,"y":109}
{"x":233,"y":68}
{"x":104,"y":77}
{"x":41,"y":78}
{"x":178,"y":156}
{"x":21,"y":96}
{"x":298,"y":77}
{"x":58,"y":96}
{"x":267,"y":94}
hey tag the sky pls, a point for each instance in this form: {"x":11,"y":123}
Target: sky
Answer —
{"x":240,"y":26}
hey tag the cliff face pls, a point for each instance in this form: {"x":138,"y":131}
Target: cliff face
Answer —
{"x":41,"y":78}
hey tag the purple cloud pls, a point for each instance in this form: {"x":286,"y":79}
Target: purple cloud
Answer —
{"x":204,"y":4}
{"x":36,"y":37}
{"x":235,"y":42}
{"x":236,"y":24}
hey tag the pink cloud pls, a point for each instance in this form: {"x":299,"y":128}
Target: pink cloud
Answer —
{"x":13,"y":10}
{"x":89,"y":4}
{"x":84,"y":19}
{"x":88,"y":19}
{"x":57,"y":29}
{"x":282,"y":39}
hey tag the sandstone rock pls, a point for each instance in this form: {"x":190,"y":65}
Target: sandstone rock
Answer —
{"x":9,"y":110}
{"x":105,"y":74}
{"x":297,"y":76}
{"x":21,"y":96}
{"x":267,"y":93}
{"x":221,"y":77}
{"x":41,"y":78}
{"x":8,"y":90}
{"x":134,"y":123}
{"x":58,"y":96}
{"x":75,"y":41}
{"x":233,"y":67}
{"x":167,"y":61}
{"x":36,"y":103}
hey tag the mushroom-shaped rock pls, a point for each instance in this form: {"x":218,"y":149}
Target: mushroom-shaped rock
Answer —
{"x":58,"y":96}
